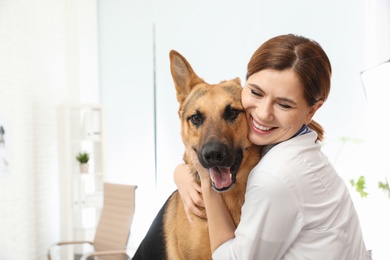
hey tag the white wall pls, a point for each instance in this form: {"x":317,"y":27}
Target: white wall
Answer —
{"x":47,"y":58}
{"x":127,"y":91}
{"x":33,"y":77}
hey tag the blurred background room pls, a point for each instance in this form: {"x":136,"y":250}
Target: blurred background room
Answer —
{"x":93,"y":75}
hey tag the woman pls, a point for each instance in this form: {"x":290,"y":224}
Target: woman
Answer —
{"x":296,"y":206}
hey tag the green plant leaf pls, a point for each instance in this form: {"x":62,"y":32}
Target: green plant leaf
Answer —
{"x":360,"y":186}
{"x":82,"y":157}
{"x":345,"y":139}
{"x":385,"y":187}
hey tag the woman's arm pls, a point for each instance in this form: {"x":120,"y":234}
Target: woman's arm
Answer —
{"x":190,"y":192}
{"x":220,"y":222}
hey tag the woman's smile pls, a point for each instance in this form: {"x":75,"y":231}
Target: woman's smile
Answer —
{"x":261,"y":128}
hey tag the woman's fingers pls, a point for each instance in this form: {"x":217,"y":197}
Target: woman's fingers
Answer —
{"x":191,"y":208}
{"x":190,"y":192}
{"x":192,"y":200}
{"x":197,"y":195}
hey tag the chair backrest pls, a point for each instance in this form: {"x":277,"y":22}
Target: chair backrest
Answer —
{"x":115,"y":221}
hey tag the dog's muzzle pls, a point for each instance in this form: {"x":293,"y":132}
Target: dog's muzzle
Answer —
{"x":222,"y":163}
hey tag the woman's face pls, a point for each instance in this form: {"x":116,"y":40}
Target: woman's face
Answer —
{"x":275,"y":106}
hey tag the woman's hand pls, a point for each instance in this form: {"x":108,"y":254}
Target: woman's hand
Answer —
{"x":190,"y":192}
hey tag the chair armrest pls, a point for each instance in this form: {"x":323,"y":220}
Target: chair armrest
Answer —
{"x":107,"y":252}
{"x":64,"y":243}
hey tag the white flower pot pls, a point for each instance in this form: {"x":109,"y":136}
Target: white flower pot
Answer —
{"x":84,"y":167}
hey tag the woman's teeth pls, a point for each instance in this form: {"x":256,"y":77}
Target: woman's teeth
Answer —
{"x":260,"y":127}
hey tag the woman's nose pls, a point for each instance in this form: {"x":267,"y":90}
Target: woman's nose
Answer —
{"x":264,"y":110}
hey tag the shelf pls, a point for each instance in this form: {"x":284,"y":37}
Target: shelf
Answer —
{"x":81,"y":193}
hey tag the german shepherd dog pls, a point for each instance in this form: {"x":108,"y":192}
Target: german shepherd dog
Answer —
{"x":214,"y":124}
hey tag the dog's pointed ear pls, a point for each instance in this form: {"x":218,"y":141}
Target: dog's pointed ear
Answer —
{"x":237,"y":80}
{"x":183,"y":75}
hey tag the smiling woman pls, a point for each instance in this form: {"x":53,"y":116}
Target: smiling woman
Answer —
{"x":296,"y":205}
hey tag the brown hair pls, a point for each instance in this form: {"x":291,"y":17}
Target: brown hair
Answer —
{"x":305,"y":57}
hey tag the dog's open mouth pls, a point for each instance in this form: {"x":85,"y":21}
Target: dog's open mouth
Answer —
{"x":222,"y":179}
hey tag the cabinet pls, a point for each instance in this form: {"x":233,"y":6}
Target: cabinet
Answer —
{"x":82,"y":130}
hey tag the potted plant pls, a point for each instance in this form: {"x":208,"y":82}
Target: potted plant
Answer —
{"x":83,"y":158}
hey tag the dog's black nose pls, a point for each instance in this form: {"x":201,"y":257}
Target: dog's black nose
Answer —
{"x":213,"y":154}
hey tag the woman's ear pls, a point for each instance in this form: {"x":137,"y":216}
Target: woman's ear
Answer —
{"x":312,"y":110}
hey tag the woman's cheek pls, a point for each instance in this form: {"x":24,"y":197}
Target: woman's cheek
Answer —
{"x":245,"y":98}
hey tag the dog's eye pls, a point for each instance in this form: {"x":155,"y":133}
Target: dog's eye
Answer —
{"x":196,"y":119}
{"x":231,"y":113}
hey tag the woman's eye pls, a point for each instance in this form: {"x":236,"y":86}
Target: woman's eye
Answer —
{"x":255,"y":93}
{"x":285,"y":106}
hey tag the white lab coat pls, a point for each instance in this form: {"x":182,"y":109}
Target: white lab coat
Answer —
{"x":296,"y":207}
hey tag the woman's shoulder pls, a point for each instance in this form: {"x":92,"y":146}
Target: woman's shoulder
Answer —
{"x":291,"y":149}
{"x":288,"y":160}
{"x":299,"y":143}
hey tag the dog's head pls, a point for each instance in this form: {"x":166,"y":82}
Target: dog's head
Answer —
{"x":213,"y":121}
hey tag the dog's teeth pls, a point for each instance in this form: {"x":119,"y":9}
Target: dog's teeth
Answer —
{"x":212,"y":179}
{"x":230,"y":176}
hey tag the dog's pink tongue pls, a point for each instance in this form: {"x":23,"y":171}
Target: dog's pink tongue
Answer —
{"x":220,"y":176}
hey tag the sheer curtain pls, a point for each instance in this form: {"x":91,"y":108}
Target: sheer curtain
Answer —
{"x":377,"y":32}
{"x":376,"y":81}
{"x":374,"y":211}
